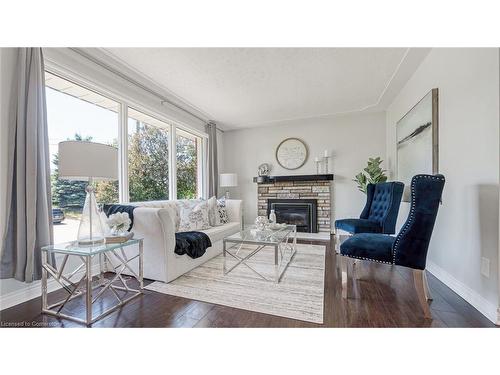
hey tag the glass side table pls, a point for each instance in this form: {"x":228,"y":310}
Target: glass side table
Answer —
{"x":114,"y":254}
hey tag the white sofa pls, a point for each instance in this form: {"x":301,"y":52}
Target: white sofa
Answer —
{"x":155,"y":222}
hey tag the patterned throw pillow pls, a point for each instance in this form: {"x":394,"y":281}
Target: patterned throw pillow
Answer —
{"x":221,"y":209}
{"x":193,"y":219}
{"x":187,"y":204}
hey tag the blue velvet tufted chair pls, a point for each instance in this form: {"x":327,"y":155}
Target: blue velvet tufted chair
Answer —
{"x":409,"y":247}
{"x":380,"y":212}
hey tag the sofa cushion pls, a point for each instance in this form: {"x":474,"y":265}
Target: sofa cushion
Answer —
{"x":358,"y":225}
{"x":154,"y":204}
{"x":372,"y":246}
{"x":212,"y":211}
{"x":170,"y":205}
{"x":218,"y":233}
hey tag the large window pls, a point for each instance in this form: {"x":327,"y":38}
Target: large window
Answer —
{"x":188,"y":156}
{"x":148,"y":157}
{"x":153,"y":164}
{"x":76,"y":113}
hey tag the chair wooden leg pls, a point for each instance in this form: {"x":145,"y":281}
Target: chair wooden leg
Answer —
{"x":419,"y":281}
{"x":428,"y":294}
{"x":343,"y":268}
{"x":355,"y":264}
{"x":337,"y":242}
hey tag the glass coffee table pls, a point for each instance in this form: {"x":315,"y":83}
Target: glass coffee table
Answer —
{"x":283,"y":241}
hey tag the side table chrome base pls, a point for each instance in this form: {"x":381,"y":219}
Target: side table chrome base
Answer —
{"x":84,"y":285}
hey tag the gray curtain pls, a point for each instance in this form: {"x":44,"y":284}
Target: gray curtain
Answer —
{"x":213,"y":169}
{"x":29,"y":214}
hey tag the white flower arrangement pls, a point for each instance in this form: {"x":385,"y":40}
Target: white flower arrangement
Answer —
{"x":118,"y":222}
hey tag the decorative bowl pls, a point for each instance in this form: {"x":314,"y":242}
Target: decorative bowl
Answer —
{"x":261,"y":222}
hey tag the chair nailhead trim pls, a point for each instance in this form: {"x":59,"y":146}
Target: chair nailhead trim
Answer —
{"x":412,"y":212}
{"x":371,"y":260}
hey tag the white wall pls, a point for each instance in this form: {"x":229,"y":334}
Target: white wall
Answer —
{"x":467,"y":226}
{"x":351,"y":139}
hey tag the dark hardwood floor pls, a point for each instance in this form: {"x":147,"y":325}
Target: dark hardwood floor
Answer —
{"x":379,"y":296}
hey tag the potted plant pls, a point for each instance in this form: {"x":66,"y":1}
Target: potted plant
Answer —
{"x":372,"y":174}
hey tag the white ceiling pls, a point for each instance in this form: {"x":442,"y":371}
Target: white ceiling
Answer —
{"x":246,"y":87}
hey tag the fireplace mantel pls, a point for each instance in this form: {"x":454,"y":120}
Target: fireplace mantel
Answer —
{"x":299,"y":177}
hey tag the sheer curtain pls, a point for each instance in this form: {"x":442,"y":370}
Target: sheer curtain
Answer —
{"x":29,"y":211}
{"x":213,"y":170}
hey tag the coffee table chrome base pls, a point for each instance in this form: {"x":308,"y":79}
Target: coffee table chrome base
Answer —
{"x":75,"y":288}
{"x":280,"y":251}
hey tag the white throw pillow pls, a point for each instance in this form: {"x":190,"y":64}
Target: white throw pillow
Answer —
{"x":193,"y":219}
{"x":212,"y":211}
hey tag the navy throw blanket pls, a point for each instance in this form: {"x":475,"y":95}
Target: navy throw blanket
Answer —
{"x":110,"y":209}
{"x":194,"y":244}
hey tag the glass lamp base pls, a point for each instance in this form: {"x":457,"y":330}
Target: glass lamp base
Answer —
{"x":90,"y":231}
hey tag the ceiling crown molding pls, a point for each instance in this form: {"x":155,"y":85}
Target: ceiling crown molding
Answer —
{"x":104,"y":56}
{"x":405,"y":69}
{"x":407,"y":66}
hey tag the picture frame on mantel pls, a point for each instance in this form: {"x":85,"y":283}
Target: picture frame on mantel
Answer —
{"x":417,"y":141}
{"x":292,"y":153}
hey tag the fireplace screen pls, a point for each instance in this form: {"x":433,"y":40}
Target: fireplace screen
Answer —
{"x":300,"y":212}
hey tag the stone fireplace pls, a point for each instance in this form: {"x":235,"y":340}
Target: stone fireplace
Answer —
{"x":301,"y":212}
{"x":294,"y":199}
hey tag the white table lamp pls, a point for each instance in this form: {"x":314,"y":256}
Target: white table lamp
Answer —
{"x":88,"y":161}
{"x":228,"y":180}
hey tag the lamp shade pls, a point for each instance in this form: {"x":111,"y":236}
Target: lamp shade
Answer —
{"x":80,"y":161}
{"x":228,"y":179}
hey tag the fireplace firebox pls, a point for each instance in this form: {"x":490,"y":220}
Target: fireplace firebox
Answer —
{"x":301,"y":212}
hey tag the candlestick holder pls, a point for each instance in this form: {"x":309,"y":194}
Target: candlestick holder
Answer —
{"x":318,"y":163}
{"x":325,"y":160}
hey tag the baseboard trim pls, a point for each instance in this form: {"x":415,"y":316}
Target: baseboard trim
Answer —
{"x":323,"y":236}
{"x":34,"y":290}
{"x":482,"y":305}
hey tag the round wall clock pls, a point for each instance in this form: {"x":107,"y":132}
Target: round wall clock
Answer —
{"x":291,"y":153}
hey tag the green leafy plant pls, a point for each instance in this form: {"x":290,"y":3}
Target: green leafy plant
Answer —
{"x":372,"y":174}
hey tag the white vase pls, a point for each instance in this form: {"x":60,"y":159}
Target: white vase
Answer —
{"x":272,"y":217}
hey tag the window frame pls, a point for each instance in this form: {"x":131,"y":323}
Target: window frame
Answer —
{"x":170,"y":128}
{"x":173,"y":125}
{"x":200,"y":170}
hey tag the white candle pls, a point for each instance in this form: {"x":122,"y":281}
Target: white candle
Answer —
{"x":326,"y":154}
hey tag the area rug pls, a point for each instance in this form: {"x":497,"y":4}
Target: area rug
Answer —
{"x":298,"y":295}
